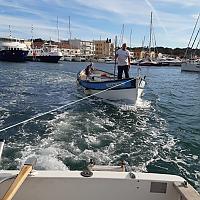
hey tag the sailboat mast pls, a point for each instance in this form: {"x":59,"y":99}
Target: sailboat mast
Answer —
{"x":70,"y":34}
{"x":115,"y":56}
{"x":130,"y":38}
{"x":58,"y":31}
{"x":150,"y":33}
{"x":143,"y":42}
{"x":192,"y":36}
{"x":121,"y":36}
{"x":9,"y":31}
{"x":32,"y":37}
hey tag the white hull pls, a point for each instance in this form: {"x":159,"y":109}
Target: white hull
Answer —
{"x":102,"y":185}
{"x":127,"y":95}
{"x":104,"y":85}
{"x":79,"y":59}
{"x":68,"y":58}
{"x":191,"y":67}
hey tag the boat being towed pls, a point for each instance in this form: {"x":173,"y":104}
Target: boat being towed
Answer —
{"x":106,"y":86}
{"x":93,"y":183}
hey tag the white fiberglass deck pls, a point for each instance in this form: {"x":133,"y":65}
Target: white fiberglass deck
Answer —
{"x":102,"y":185}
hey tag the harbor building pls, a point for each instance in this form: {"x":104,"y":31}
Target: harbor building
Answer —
{"x":87,"y":49}
{"x":103,"y":48}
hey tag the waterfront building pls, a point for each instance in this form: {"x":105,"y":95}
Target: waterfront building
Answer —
{"x":87,"y":49}
{"x":103,"y":48}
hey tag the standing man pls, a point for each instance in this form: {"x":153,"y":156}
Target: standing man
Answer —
{"x":123,"y":57}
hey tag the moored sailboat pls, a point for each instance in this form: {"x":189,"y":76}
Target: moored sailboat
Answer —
{"x":192,"y":64}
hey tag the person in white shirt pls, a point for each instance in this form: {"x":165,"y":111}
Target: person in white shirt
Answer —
{"x":123,"y":58}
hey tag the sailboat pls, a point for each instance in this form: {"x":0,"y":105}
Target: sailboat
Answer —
{"x":192,"y":65}
{"x":148,"y":61}
{"x":94,"y":182}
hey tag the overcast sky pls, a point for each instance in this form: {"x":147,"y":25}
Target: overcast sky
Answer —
{"x":173,"y":20}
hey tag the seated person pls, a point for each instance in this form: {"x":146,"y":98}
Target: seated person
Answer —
{"x":89,"y":69}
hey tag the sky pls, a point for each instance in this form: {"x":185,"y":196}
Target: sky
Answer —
{"x":173,"y":20}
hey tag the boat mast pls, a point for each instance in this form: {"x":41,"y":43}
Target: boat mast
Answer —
{"x":32,"y":37}
{"x":115,"y":56}
{"x":121,"y":36}
{"x":70,"y":34}
{"x":150,"y":34}
{"x":192,"y":36}
{"x":130,"y":38}
{"x":58,"y":33}
{"x":155,"y":43}
{"x":196,"y":47}
{"x":143,"y":42}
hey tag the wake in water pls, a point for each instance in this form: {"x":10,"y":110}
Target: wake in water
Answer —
{"x":105,"y":133}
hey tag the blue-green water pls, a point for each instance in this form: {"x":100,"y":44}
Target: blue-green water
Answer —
{"x":162,"y":135}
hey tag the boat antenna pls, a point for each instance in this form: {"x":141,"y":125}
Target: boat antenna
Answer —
{"x":9,"y":31}
{"x":115,"y":56}
{"x":192,"y":36}
{"x":150,"y":33}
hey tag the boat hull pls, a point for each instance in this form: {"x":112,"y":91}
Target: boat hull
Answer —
{"x":13,"y":55}
{"x":191,"y":67}
{"x":108,"y":88}
{"x":49,"y":59}
{"x":129,"y":95}
{"x":60,"y":185}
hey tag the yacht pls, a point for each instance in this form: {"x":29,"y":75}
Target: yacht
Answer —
{"x":170,"y":61}
{"x":13,"y":49}
{"x":48,"y":53}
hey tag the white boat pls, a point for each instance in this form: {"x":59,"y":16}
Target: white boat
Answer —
{"x":110,"y":61}
{"x":101,"y":60}
{"x":93,"y":183}
{"x":69,"y":58}
{"x":191,"y":66}
{"x":48,"y":53}
{"x":170,"y":61}
{"x":79,"y":59}
{"x":106,"y":86}
{"x":13,"y":49}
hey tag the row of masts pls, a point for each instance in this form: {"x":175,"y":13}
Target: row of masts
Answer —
{"x":152,"y":38}
{"x":121,"y":40}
